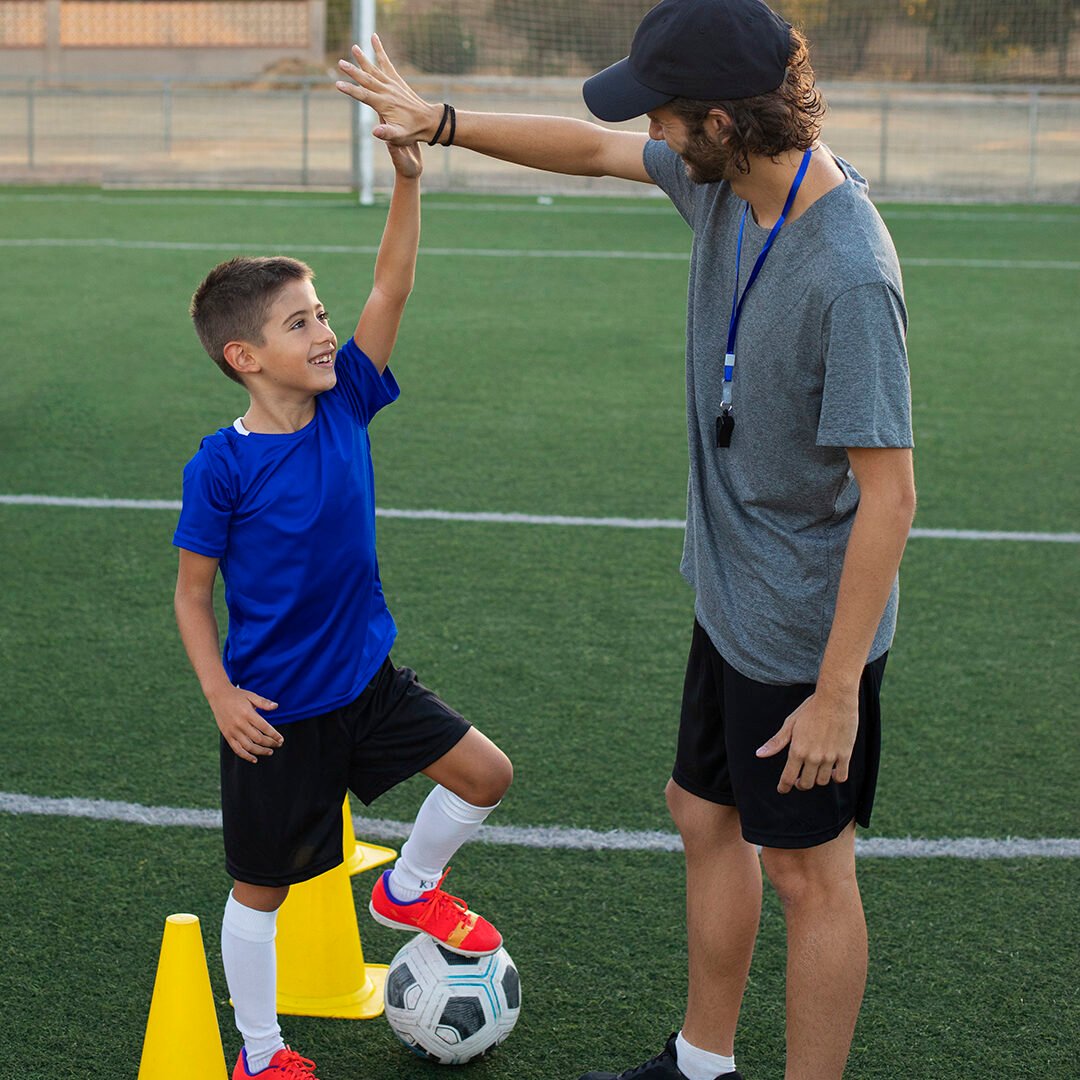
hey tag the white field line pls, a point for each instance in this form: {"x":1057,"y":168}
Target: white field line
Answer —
{"x":996,"y":264}
{"x":490,"y":517}
{"x":546,"y":836}
{"x":484,"y":253}
{"x":651,"y":206}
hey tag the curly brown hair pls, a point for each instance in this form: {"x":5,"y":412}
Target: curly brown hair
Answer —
{"x":768,"y":125}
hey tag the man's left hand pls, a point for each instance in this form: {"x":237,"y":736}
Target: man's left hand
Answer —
{"x":820,"y":735}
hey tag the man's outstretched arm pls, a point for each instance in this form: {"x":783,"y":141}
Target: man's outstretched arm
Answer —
{"x":552,"y":143}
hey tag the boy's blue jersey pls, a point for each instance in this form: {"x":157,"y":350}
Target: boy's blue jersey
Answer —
{"x":292,"y":519}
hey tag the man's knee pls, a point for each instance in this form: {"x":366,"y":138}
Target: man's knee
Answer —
{"x":680,"y":804}
{"x":811,"y":875}
{"x":700,"y":822}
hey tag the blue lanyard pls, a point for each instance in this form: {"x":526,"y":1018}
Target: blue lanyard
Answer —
{"x":738,"y":301}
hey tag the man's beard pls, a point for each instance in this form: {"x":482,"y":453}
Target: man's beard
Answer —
{"x":705,"y":162}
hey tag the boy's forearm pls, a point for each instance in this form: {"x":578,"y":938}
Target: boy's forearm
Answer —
{"x":395,"y":265}
{"x":199,"y":633}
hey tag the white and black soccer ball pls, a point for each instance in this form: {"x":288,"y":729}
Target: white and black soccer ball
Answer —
{"x":451,"y":1008}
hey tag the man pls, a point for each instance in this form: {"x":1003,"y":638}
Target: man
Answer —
{"x":801,"y":491}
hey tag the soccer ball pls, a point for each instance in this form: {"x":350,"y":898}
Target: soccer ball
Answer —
{"x":450,"y":1008}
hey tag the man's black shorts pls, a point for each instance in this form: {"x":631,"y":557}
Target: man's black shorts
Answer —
{"x":726,"y":717}
{"x":282,"y":815}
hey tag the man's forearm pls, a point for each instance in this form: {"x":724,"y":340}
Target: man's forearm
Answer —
{"x":874,"y":550}
{"x":552,"y":143}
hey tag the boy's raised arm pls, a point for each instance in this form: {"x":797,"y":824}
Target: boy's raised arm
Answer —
{"x":395,"y":265}
{"x":553,"y":143}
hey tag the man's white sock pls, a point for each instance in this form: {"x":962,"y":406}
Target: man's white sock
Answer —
{"x":443,"y":824}
{"x":697,"y":1064}
{"x":247,"y":951}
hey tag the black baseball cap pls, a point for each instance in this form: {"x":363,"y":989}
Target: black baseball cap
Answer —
{"x":706,"y":50}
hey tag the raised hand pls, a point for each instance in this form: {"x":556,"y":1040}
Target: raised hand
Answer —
{"x":404,"y":116}
{"x":408,"y":160}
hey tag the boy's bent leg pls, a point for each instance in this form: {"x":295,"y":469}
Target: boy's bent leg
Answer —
{"x":723,"y":909}
{"x":827,"y":952}
{"x":410,"y":895}
{"x":472,"y":778}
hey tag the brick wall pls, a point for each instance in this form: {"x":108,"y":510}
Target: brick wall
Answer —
{"x":93,"y":38}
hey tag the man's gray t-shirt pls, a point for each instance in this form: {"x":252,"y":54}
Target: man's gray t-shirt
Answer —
{"x":821,"y":365}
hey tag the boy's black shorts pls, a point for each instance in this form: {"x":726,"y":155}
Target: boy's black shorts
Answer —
{"x":282,"y":815}
{"x":726,"y":717}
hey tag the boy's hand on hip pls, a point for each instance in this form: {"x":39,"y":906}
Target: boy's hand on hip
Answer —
{"x":248,"y":734}
{"x":820,"y":735}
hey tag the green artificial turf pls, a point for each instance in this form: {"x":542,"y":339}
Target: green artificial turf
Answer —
{"x":545,"y":386}
{"x":970,"y":961}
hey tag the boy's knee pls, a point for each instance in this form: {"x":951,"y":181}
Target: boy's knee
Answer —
{"x":502,"y":776}
{"x":260,"y":897}
{"x":491,"y":780}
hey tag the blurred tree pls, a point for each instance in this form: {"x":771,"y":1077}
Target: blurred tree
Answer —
{"x":339,"y":33}
{"x":338,"y":27}
{"x":594,"y":32}
{"x":992,"y":28}
{"x":438,"y":41}
{"x":840,"y":30}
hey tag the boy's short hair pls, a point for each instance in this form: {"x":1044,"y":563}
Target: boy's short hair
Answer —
{"x":787,"y":118}
{"x":234,"y":301}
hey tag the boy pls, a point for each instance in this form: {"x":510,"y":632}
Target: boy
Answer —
{"x":306,"y":698}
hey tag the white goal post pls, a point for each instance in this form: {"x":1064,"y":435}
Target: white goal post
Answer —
{"x":363,"y":25}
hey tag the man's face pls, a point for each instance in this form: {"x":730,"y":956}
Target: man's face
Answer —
{"x":299,"y":346}
{"x":705,"y":158}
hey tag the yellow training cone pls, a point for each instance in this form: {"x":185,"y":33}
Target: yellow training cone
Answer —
{"x":182,"y":1035}
{"x":320,"y":965}
{"x":359,"y":856}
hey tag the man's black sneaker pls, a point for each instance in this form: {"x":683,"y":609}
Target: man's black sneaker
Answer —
{"x":662,"y":1067}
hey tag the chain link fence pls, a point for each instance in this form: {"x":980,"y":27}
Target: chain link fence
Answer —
{"x":930,"y":99}
{"x":927,"y":142}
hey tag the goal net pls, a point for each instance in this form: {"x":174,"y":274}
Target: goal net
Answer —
{"x":915,"y":86}
{"x":975,"y":41}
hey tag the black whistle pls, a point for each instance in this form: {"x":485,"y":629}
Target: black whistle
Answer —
{"x":725,"y":425}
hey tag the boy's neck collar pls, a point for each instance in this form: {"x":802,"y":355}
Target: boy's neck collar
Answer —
{"x":276,"y":417}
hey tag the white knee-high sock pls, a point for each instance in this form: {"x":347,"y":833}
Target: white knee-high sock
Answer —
{"x":247,"y":951}
{"x":443,"y":824}
{"x":697,"y":1064}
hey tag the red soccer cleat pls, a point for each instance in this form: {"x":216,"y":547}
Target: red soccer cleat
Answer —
{"x":286,"y":1064}
{"x":444,"y":917}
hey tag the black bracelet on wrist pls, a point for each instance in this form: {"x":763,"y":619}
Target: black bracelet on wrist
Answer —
{"x":446,"y":110}
{"x":453,"y":126}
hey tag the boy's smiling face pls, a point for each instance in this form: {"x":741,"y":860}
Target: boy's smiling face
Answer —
{"x":298,"y":350}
